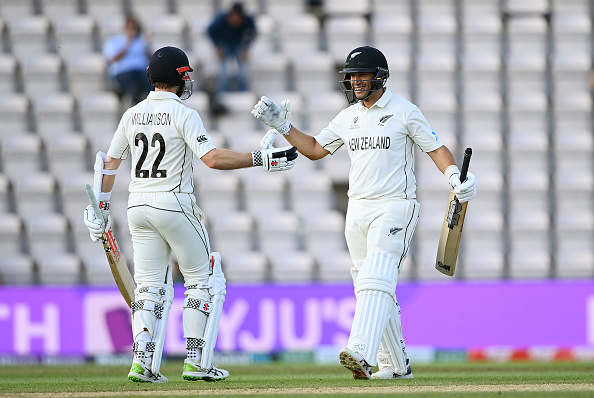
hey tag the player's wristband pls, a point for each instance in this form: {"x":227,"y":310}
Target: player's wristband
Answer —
{"x":450,"y":171}
{"x":257,"y":159}
{"x":284,"y":129}
{"x":103,"y":196}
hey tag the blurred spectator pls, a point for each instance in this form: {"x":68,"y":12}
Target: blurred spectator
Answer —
{"x":128,"y":55}
{"x":232,"y":32}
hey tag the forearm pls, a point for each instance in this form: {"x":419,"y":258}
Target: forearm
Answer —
{"x":109,"y":180}
{"x":306,"y":144}
{"x":224,"y":159}
{"x":442,"y":157}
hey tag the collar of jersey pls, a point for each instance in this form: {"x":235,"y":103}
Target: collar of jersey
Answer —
{"x":382,"y":102}
{"x":157,"y":95}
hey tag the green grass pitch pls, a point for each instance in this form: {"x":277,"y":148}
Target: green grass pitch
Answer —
{"x":517,"y":379}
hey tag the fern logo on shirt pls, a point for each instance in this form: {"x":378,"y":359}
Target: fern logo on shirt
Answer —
{"x":354,"y":126}
{"x":384,"y":119}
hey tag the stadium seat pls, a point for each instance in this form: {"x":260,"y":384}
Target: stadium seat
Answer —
{"x":43,"y":74}
{"x":264,"y":193}
{"x":321,"y":108}
{"x":292,"y":267}
{"x":311,"y":192}
{"x":67,"y":153}
{"x":334,"y":266}
{"x":166,"y":30}
{"x":239,"y":115}
{"x":35,"y":194}
{"x":269,"y":74}
{"x":21,"y":153}
{"x":300,"y":34}
{"x":278,"y":233}
{"x":8,"y":73}
{"x":146,"y":10}
{"x":75,"y":34}
{"x":281,"y":10}
{"x":95,"y":267}
{"x":530,"y":256}
{"x":5,"y":194}
{"x":106,"y":9}
{"x":59,"y":268}
{"x":16,"y":8}
{"x":54,"y":114}
{"x":28,"y":35}
{"x":47,"y":233}
{"x":14,"y":112}
{"x":217,"y":191}
{"x":244,"y":266}
{"x":100,"y":115}
{"x":344,"y":34}
{"x":200,"y":101}
{"x":73,"y":196}
{"x":192,"y":8}
{"x":56,"y":10}
{"x":17,"y":269}
{"x":86,"y":73}
{"x":574,"y":257}
{"x":324,"y":231}
{"x":316,"y":70}
{"x":232,"y":231}
{"x":11,"y":233}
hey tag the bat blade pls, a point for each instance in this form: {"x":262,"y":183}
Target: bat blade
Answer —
{"x":451,"y":233}
{"x":451,"y":230}
{"x":117,"y":262}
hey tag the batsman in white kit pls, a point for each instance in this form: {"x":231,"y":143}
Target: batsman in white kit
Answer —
{"x":162,"y":135}
{"x":379,"y":130}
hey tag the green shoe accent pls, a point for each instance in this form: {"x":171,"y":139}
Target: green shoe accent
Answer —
{"x":136,"y":368}
{"x":191,"y":378}
{"x":136,"y":379}
{"x":189,"y":368}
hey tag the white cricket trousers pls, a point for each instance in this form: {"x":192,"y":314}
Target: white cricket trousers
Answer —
{"x":380,"y":224}
{"x":161,"y":222}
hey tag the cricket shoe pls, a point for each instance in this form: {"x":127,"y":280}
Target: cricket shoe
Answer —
{"x":141,"y":373}
{"x":355,"y":363}
{"x":193,"y":371}
{"x":389,"y":373}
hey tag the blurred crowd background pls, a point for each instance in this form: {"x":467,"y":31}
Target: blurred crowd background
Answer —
{"x":509,"y":78}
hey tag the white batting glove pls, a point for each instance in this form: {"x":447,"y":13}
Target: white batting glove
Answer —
{"x":97,"y":226}
{"x":466,"y":190}
{"x":275,"y":159}
{"x":273,"y":116}
{"x":268,"y":139}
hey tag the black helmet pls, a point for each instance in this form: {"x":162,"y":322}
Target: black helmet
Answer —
{"x":170,"y":65}
{"x":364,"y":59}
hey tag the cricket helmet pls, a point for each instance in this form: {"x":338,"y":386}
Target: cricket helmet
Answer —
{"x":171,"y":65}
{"x":364,"y":59}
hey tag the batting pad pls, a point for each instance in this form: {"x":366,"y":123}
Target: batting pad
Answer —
{"x":375,"y":291}
{"x":392,"y":350}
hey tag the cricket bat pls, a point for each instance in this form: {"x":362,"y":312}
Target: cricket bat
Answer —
{"x":451,"y":231}
{"x":117,"y":262}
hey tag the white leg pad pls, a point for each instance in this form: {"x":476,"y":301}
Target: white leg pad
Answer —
{"x":147,"y":313}
{"x":218,"y":289}
{"x":376,"y":294}
{"x":392,"y":351}
{"x":161,"y":325}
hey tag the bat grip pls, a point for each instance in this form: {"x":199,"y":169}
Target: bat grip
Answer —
{"x":93,"y":200}
{"x":465,"y":164}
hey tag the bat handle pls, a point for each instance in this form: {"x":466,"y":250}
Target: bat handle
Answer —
{"x":93,"y":200}
{"x":465,"y":164}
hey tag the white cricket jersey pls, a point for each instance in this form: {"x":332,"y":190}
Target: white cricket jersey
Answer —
{"x":380,"y":142}
{"x":162,"y":134}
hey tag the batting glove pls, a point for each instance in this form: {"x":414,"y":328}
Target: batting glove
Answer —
{"x":275,"y":159}
{"x":466,"y":190}
{"x":268,"y":139}
{"x":97,"y":226}
{"x":273,"y":116}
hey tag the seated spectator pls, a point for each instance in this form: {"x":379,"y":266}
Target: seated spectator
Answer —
{"x":128,"y":56}
{"x":232,"y":32}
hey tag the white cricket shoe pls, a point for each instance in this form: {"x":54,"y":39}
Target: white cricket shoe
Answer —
{"x":193,"y":371}
{"x":141,"y":373}
{"x":355,"y":363}
{"x":389,"y":373}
